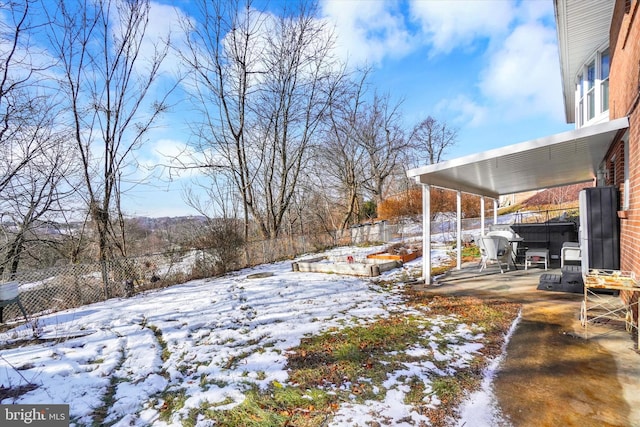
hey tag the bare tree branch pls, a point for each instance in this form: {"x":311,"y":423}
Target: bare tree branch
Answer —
{"x":109,"y":83}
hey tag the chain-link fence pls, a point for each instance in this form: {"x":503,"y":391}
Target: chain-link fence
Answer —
{"x":54,"y":289}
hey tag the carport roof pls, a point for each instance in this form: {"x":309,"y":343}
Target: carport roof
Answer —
{"x":566,"y":158}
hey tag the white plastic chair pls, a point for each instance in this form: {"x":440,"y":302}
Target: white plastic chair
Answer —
{"x":511,"y":236}
{"x":570,"y":252}
{"x":494,"y":248}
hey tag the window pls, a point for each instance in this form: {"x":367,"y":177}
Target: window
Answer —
{"x":604,"y":85}
{"x":580,"y":107}
{"x":591,"y":84}
{"x":592,"y":89}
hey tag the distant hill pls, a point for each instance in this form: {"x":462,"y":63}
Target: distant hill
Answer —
{"x":556,"y":196}
{"x":161,"y":222}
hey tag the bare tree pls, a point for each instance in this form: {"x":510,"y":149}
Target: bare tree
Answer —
{"x":342,"y":159}
{"x":433,"y":137}
{"x":382,"y":137}
{"x":223,"y":66}
{"x":22,"y":101}
{"x":108,"y":82}
{"x":263,"y":84}
{"x":33,"y":159}
{"x":32,"y":200}
{"x":300,"y":84}
{"x":364,"y":147}
{"x":558,"y":196}
{"x":218,"y":197}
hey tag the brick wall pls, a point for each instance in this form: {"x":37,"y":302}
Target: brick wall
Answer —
{"x":624,"y":76}
{"x":624,"y":99}
{"x":615,"y":164}
{"x":630,"y":227}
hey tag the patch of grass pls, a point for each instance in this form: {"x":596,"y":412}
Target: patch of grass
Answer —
{"x":470,"y":252}
{"x":510,"y":209}
{"x":491,"y":315}
{"x":173,"y":401}
{"x":219,"y":383}
{"x":166,"y":354}
{"x":235,"y":359}
{"x":441,"y":269}
{"x":226,"y":401}
{"x":109,"y":397}
{"x":405,"y":276}
{"x":204,"y":383}
{"x":447,"y":388}
{"x":342,"y":357}
{"x":416,"y":392}
{"x":256,"y":340}
{"x":279,"y":406}
{"x":352,"y":362}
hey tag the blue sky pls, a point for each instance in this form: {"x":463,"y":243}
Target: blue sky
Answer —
{"x":488,"y":68}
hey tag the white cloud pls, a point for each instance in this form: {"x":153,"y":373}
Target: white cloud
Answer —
{"x":165,"y":23}
{"x":170,"y":159}
{"x":170,"y":149}
{"x":520,"y":74}
{"x":369,"y":31}
{"x":164,"y":26}
{"x":173,"y":159}
{"x":523,"y":73}
{"x":458,"y":24}
{"x":535,"y":10}
{"x":466,"y":112}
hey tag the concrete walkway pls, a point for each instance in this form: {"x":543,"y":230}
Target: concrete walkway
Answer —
{"x":553,"y":375}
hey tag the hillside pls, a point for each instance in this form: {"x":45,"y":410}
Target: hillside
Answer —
{"x":556,"y":196}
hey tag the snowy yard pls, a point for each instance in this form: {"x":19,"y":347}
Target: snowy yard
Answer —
{"x":209,"y":340}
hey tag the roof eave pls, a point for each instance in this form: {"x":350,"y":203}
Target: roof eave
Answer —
{"x":582,"y":27}
{"x":563,"y":52}
{"x":561,"y":159}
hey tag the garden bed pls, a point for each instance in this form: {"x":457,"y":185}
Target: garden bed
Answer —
{"x":368,"y":267}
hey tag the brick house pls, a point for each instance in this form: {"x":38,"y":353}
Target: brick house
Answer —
{"x":601,"y":82}
{"x":599,"y":47}
{"x":623,"y":158}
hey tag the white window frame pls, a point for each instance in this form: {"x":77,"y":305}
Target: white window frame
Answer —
{"x":590,"y":94}
{"x":590,"y":89}
{"x":604,"y":82}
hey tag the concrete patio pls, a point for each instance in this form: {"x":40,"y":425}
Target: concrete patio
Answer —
{"x":552,"y":373}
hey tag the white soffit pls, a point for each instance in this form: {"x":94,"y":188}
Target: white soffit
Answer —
{"x":561,"y":159}
{"x":582,"y":27}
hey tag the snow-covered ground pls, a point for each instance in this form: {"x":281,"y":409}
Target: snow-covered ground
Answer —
{"x":227,"y":331}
